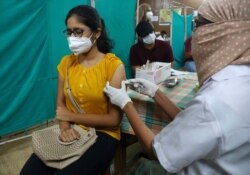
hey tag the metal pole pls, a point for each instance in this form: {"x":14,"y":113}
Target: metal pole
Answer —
{"x":92,"y":3}
{"x":15,"y":139}
{"x":26,"y":132}
{"x":137,"y":13}
{"x":185,"y":24}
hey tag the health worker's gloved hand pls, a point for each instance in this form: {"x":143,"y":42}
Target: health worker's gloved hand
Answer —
{"x":118,"y":97}
{"x":143,"y":86}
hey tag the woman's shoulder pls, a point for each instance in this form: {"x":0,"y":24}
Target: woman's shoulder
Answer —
{"x":112,"y":65}
{"x":112,"y":62}
{"x":68,"y":58}
{"x":111,"y":57}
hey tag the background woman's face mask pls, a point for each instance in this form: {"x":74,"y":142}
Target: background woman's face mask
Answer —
{"x":149,"y":15}
{"x":79,"y":45}
{"x":150,"y":39}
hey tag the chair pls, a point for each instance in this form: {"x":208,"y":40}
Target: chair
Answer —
{"x":118,"y":164}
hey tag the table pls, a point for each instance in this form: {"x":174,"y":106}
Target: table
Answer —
{"x":152,"y":114}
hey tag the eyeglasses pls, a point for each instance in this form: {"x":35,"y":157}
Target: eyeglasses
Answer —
{"x":77,"y":32}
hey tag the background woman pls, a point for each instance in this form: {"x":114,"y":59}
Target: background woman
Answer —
{"x":145,"y":13}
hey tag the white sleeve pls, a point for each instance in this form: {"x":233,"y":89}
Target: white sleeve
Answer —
{"x":194,"y":134}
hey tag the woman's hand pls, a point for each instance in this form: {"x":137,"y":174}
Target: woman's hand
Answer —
{"x":69,"y":134}
{"x":63,"y":114}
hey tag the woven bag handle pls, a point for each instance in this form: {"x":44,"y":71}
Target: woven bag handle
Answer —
{"x":72,"y":99}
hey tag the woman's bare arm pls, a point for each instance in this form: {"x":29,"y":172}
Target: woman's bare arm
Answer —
{"x":144,"y":134}
{"x":166,"y":104}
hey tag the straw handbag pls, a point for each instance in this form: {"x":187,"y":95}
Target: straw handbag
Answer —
{"x":55,"y":153}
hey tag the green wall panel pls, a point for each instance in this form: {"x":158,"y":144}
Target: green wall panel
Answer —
{"x":32,"y":44}
{"x":119,"y":18}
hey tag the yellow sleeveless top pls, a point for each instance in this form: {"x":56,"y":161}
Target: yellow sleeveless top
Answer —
{"x":87,"y":85}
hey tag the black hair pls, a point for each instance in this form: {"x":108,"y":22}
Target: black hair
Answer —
{"x":163,"y":32}
{"x":200,"y":21}
{"x":88,"y":16}
{"x":143,"y":28}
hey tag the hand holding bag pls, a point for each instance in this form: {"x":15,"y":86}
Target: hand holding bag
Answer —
{"x":55,"y":153}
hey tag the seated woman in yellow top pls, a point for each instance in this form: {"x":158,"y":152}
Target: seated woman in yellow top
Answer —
{"x":88,"y":69}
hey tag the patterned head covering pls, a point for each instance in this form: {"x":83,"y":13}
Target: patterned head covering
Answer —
{"x":226,"y":40}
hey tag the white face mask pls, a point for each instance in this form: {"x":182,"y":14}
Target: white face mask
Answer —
{"x":150,"y":39}
{"x":149,"y":15}
{"x":79,"y":45}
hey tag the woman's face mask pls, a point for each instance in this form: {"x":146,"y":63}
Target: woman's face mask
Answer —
{"x":80,"y":45}
{"x":149,"y":39}
{"x":149,"y":15}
